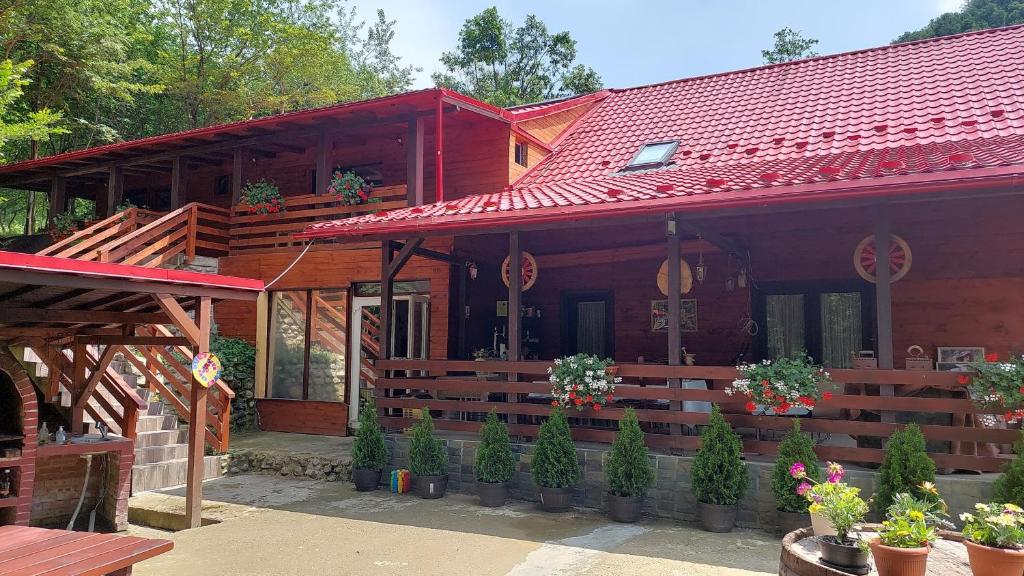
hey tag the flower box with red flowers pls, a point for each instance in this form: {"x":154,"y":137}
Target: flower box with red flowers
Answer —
{"x":262,"y":197}
{"x":582,"y":381}
{"x":777,"y":386}
{"x":997,"y":385}
{"x":351,"y":187}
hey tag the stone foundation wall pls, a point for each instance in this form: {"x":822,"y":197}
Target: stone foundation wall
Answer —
{"x":671,"y":496}
{"x":281,"y":463}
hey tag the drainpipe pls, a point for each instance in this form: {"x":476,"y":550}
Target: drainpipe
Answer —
{"x":439,"y":151}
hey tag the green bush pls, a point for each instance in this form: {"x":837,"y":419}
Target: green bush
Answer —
{"x":906,"y":465}
{"x":427,"y":455}
{"x":719,"y":474}
{"x":494,"y":459}
{"x":368,"y":449}
{"x":629,"y":470}
{"x":238,"y":359}
{"x":554,"y":460}
{"x":795,"y":447}
{"x":1009,"y":487}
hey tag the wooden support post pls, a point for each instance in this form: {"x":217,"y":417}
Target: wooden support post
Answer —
{"x":197,"y":422}
{"x":460,"y":338}
{"x":262,"y":329}
{"x":439,"y":152}
{"x":515,"y":311}
{"x":387,"y":286}
{"x":115,"y":189}
{"x":675,"y":281}
{"x":177,"y":183}
{"x":78,"y":384}
{"x":58,"y":197}
{"x":414,"y":162}
{"x":883,"y":302}
{"x":238,"y":174}
{"x":323,"y":170}
{"x":102,"y":364}
{"x":30,"y":213}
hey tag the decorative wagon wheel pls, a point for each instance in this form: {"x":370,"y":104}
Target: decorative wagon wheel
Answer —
{"x":865,"y":258}
{"x":529,"y":270}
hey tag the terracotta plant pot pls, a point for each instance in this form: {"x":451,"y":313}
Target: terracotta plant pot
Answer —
{"x":891,"y":561}
{"x":790,"y":521}
{"x":492,"y":494}
{"x":717,"y":517}
{"x":845,"y":556}
{"x":988,"y":561}
{"x":821,"y":526}
{"x":431,"y":487}
{"x":366,"y":479}
{"x":625,"y":508}
{"x":556,"y":499}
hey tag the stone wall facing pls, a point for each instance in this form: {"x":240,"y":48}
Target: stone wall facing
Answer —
{"x":671,"y":496}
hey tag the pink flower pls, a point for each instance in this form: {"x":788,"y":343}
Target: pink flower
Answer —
{"x":797,"y":470}
{"x":835,"y":472}
{"x":803,"y":488}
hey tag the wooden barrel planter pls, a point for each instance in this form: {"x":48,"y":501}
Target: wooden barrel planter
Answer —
{"x":800,"y":556}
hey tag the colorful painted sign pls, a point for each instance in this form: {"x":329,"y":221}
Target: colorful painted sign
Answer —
{"x":206,"y":368}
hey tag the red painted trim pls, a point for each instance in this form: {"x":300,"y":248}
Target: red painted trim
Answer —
{"x":67,"y":266}
{"x":907,"y":185}
{"x":439,"y":152}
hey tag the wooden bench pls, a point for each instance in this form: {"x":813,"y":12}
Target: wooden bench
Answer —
{"x":26,"y":551}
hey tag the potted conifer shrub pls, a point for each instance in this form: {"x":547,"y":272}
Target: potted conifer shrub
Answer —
{"x":369,"y":452}
{"x":719,"y":475}
{"x":791,"y":506}
{"x":1009,"y":487}
{"x":905,"y":468}
{"x":555,"y":468}
{"x":495,"y":464}
{"x":428,"y":460}
{"x":628,"y":470}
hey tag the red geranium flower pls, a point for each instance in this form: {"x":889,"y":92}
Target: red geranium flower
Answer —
{"x":963,"y":379}
{"x":597,"y":407}
{"x":991,"y":357}
{"x":751,"y":407}
{"x":554,"y":402}
{"x":608,"y":398}
{"x":589,"y":398}
{"x":579,"y":402}
{"x":826,"y":396}
{"x":783,"y":407}
{"x":572,"y":395}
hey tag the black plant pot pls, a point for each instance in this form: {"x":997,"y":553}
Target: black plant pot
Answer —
{"x":848,"y":557}
{"x":366,"y":479}
{"x":556,"y":499}
{"x":790,"y":521}
{"x":624,"y":508}
{"x":492,"y":494}
{"x":717,"y":517}
{"x":431,"y":487}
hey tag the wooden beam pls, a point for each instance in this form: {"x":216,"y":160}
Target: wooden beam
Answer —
{"x":414,"y":162}
{"x":621,"y":254}
{"x":178,"y":317}
{"x":439,"y":152}
{"x":58,"y":197}
{"x":515,"y":300}
{"x":387,"y":287}
{"x":83,"y":398}
{"x":197,"y":422}
{"x":115,"y":188}
{"x":119,"y":285}
{"x":262,"y":329}
{"x":323,"y":170}
{"x":405,"y":251}
{"x":883,"y":301}
{"x":128,"y":340}
{"x":53,"y":316}
{"x":177,"y":183}
{"x":675,"y":281}
{"x":238,"y":174}
{"x":78,"y":367}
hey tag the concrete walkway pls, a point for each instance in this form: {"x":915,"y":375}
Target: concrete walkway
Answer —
{"x":282,"y":526}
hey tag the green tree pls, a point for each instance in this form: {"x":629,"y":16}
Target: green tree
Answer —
{"x":494,"y":459}
{"x":17,"y":123}
{"x":554,"y":459}
{"x":427,"y":455}
{"x":629,"y":469}
{"x":379,"y":69}
{"x":719,"y":474}
{"x":905,"y":467}
{"x":1009,"y":487}
{"x":504,"y":65}
{"x":369,"y":452}
{"x":972,"y":15}
{"x":789,"y":45}
{"x":795,"y":447}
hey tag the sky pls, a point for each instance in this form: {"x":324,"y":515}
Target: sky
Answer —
{"x":635,"y":42}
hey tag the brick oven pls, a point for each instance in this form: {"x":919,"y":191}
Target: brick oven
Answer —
{"x":18,"y":445}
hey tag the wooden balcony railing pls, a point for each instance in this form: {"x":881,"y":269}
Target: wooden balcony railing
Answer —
{"x":251,"y":233}
{"x":968,"y":443}
{"x":84,"y":244}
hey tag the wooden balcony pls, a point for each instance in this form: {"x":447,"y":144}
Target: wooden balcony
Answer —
{"x":254,"y":233}
{"x":853,"y":412}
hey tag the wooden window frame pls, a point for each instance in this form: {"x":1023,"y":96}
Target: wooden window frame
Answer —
{"x":521,"y":153}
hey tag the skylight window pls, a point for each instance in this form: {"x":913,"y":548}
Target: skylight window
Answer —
{"x":653,"y":154}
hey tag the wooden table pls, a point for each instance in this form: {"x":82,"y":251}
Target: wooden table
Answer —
{"x":26,"y":551}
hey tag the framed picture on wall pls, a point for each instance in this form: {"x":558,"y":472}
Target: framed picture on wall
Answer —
{"x":959,"y":357}
{"x":687,"y":315}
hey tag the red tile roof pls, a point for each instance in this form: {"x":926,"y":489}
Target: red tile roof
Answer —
{"x":939,"y":110}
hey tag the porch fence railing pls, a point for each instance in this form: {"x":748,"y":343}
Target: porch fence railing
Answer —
{"x":254,"y":233}
{"x":460,"y":398}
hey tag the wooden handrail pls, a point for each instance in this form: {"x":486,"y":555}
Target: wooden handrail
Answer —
{"x":141,"y":235}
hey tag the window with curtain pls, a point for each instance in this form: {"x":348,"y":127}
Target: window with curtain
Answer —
{"x":306,"y":356}
{"x":841,"y":331}
{"x":785,"y":324}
